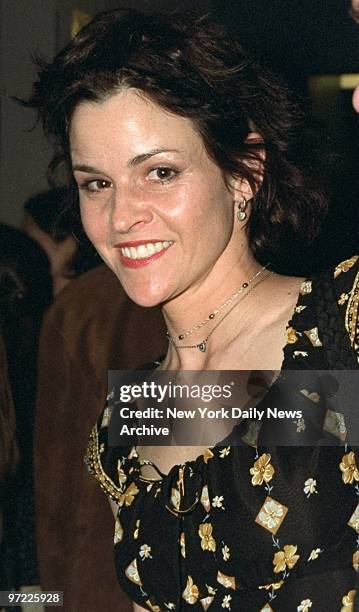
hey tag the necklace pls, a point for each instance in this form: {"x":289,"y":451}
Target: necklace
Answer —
{"x":213,"y":314}
{"x":202,"y":346}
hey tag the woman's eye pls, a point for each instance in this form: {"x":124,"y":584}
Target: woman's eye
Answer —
{"x":96,"y":185}
{"x":162,"y":174}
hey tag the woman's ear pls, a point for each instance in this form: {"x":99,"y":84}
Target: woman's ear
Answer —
{"x":241,"y":187}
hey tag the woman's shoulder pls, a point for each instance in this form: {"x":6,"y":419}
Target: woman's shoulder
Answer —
{"x":326,"y":319}
{"x":346,"y":275}
{"x":337,"y":292}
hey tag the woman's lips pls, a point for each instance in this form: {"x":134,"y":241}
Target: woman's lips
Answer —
{"x":137,"y":254}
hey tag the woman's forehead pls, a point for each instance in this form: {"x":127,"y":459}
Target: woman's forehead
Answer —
{"x":128,"y":119}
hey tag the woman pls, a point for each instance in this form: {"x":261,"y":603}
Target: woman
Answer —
{"x":180,"y":146}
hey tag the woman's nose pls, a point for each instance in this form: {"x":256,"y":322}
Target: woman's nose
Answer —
{"x":130,"y":210}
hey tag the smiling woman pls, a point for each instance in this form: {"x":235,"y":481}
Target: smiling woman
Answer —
{"x":180,"y":146}
{"x":154,"y":190}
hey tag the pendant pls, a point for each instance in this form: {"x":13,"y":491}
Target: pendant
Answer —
{"x":202,"y":346}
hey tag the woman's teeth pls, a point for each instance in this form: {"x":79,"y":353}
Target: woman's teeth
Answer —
{"x":145,"y":250}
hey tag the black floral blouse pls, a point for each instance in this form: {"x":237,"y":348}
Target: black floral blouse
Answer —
{"x":249,"y":527}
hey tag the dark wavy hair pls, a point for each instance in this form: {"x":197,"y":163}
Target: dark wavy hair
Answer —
{"x":192,"y":67}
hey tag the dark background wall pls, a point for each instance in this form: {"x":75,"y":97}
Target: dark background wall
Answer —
{"x":296,"y":38}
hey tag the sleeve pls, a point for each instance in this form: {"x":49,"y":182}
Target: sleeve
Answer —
{"x":346,"y":279}
{"x":111,"y":466}
{"x":324,"y":330}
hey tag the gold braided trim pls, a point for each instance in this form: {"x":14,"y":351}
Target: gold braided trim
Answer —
{"x":92,"y":458}
{"x":345,"y":265}
{"x":351,"y":316}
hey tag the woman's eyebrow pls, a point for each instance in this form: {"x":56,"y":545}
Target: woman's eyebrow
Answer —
{"x":135,"y":161}
{"x":144,"y":156}
{"x":86,"y":168}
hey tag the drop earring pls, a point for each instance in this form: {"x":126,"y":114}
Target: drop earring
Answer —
{"x":241,"y":212}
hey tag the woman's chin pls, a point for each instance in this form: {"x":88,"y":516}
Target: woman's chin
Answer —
{"x":145,"y":301}
{"x":144,"y":298}
{"x":145,"y":290}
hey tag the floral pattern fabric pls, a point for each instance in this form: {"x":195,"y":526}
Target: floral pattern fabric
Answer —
{"x":249,"y":527}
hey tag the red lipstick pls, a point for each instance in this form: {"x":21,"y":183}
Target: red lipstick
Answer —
{"x":136,"y":243}
{"x":128,"y":262}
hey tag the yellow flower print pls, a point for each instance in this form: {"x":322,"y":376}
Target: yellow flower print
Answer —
{"x":271,"y":515}
{"x":207,"y":455}
{"x":344,"y":266}
{"x":206,"y":602}
{"x":313,"y":396}
{"x":226,"y":602}
{"x":217,"y":502}
{"x":211,"y":590}
{"x":291,"y":335}
{"x":224,"y":452}
{"x":262,"y":470}
{"x":314,"y":554}
{"x":152,"y":607}
{"x":310,"y":487}
{"x":334,"y":423}
{"x":349,"y":468}
{"x":145,"y":552}
{"x":182,"y":542}
{"x":207,"y":540}
{"x":226,"y":553}
{"x":300,"y":423}
{"x":191,"y":593}
{"x":304,"y":605}
{"x":306,"y":287}
{"x":356,"y":560}
{"x":272,"y":586}
{"x":175,"y":498}
{"x":229,"y":582}
{"x":285,"y":558}
{"x":205,"y":499}
{"x":344,"y":297}
{"x":131,"y":572}
{"x":313,"y":336}
{"x":128,"y":496}
{"x":121,"y":474}
{"x":300,"y":354}
{"x":135,"y":533}
{"x":354,"y":519}
{"x":106,"y":415}
{"x":118,"y":532}
{"x":348,"y":602}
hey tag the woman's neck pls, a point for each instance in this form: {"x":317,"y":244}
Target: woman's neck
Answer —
{"x":191,"y":315}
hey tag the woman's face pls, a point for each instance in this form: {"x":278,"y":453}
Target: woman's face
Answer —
{"x":152,"y":202}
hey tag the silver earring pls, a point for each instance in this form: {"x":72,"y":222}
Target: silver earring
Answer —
{"x":241,"y":212}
